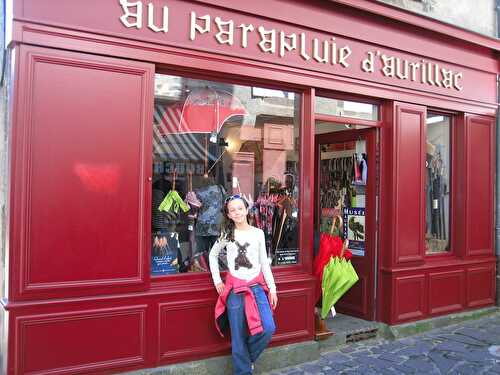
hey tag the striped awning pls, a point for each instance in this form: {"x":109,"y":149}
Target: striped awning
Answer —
{"x":168,"y":143}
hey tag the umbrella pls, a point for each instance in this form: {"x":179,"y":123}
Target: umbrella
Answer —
{"x":338,"y":277}
{"x":205,"y":110}
{"x":173,"y":201}
{"x":329,"y":246}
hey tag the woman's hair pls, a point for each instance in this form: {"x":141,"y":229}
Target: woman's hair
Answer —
{"x":227,"y":224}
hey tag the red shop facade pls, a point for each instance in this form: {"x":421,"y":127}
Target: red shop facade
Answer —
{"x":316,"y":108}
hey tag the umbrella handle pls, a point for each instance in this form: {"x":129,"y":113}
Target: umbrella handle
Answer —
{"x":345,"y":245}
{"x":205,"y":159}
{"x":335,"y":218}
{"x":190,"y":179}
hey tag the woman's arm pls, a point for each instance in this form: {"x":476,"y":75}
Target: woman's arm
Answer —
{"x":213,"y":259}
{"x":264,"y":262}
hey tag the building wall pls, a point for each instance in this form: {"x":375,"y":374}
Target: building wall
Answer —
{"x":478,"y":16}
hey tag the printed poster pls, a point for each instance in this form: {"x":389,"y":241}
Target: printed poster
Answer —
{"x":354,"y":230}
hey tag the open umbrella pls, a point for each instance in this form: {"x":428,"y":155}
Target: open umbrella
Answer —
{"x":206,"y":109}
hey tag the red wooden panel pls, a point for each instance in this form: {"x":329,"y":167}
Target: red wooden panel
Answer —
{"x":82,"y":148}
{"x":188,"y":329}
{"x":386,"y":157}
{"x":80,"y":341}
{"x":293,"y":317}
{"x":458,"y":188}
{"x":385,"y":295}
{"x":480,"y":286}
{"x":409,"y":214}
{"x":409,"y":298}
{"x":480,"y":170}
{"x":307,"y":183}
{"x":355,"y":301}
{"x":446,"y":291}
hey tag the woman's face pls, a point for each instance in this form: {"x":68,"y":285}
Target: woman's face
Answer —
{"x":237,"y":211}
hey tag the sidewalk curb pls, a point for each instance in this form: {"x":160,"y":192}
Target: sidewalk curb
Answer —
{"x":408,"y":329}
{"x":271,"y":359}
{"x":294,"y":354}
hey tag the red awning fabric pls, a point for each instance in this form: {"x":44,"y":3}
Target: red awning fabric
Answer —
{"x":206,"y":110}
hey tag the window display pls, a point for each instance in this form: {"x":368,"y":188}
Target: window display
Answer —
{"x":211,"y":140}
{"x":437,"y":193}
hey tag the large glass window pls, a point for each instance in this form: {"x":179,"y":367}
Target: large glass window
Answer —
{"x":437,"y":185}
{"x":213,"y":139}
{"x":346,"y":108}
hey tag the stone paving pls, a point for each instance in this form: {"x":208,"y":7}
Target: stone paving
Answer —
{"x":471,"y":348}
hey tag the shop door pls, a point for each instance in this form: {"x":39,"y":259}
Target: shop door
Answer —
{"x":349,"y":191}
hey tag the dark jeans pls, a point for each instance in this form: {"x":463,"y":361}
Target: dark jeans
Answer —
{"x":245,"y":348}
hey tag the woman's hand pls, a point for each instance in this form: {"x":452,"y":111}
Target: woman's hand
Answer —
{"x":274,"y":300}
{"x":219,"y":287}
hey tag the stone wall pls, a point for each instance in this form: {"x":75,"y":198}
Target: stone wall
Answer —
{"x":475,"y":15}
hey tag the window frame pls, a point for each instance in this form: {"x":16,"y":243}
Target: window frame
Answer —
{"x":199,"y":279}
{"x":451,"y":252}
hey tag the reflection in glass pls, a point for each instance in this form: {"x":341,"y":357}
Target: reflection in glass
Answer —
{"x":346,"y":108}
{"x":213,"y":139}
{"x":437,"y":186}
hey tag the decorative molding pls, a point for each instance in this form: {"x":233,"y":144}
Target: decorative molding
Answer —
{"x":24,"y":323}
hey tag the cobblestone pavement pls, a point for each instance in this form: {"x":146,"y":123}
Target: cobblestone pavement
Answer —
{"x":468,"y":348}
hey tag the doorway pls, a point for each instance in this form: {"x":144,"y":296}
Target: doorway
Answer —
{"x":346,"y":187}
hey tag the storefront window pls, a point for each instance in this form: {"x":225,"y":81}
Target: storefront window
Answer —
{"x":346,"y":108}
{"x":213,"y":139}
{"x":437,"y":186}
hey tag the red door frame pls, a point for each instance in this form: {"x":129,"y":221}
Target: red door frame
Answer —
{"x":366,"y":266}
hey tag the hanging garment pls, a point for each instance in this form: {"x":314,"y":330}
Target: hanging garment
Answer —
{"x":161,"y":220}
{"x":264,"y":211}
{"x":357,"y":171}
{"x":192,"y":199}
{"x":173,"y":202}
{"x":364,"y":169}
{"x":210,"y":214}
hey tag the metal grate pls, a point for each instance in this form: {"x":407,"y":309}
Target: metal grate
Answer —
{"x":361,"y":335}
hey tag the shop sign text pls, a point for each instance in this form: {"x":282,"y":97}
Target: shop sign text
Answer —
{"x":280,"y":43}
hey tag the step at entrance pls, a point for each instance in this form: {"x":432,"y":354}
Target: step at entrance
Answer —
{"x":361,"y":335}
{"x":348,"y":329}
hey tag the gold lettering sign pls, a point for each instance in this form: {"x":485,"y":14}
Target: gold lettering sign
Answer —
{"x":280,"y":43}
{"x":425,"y":72}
